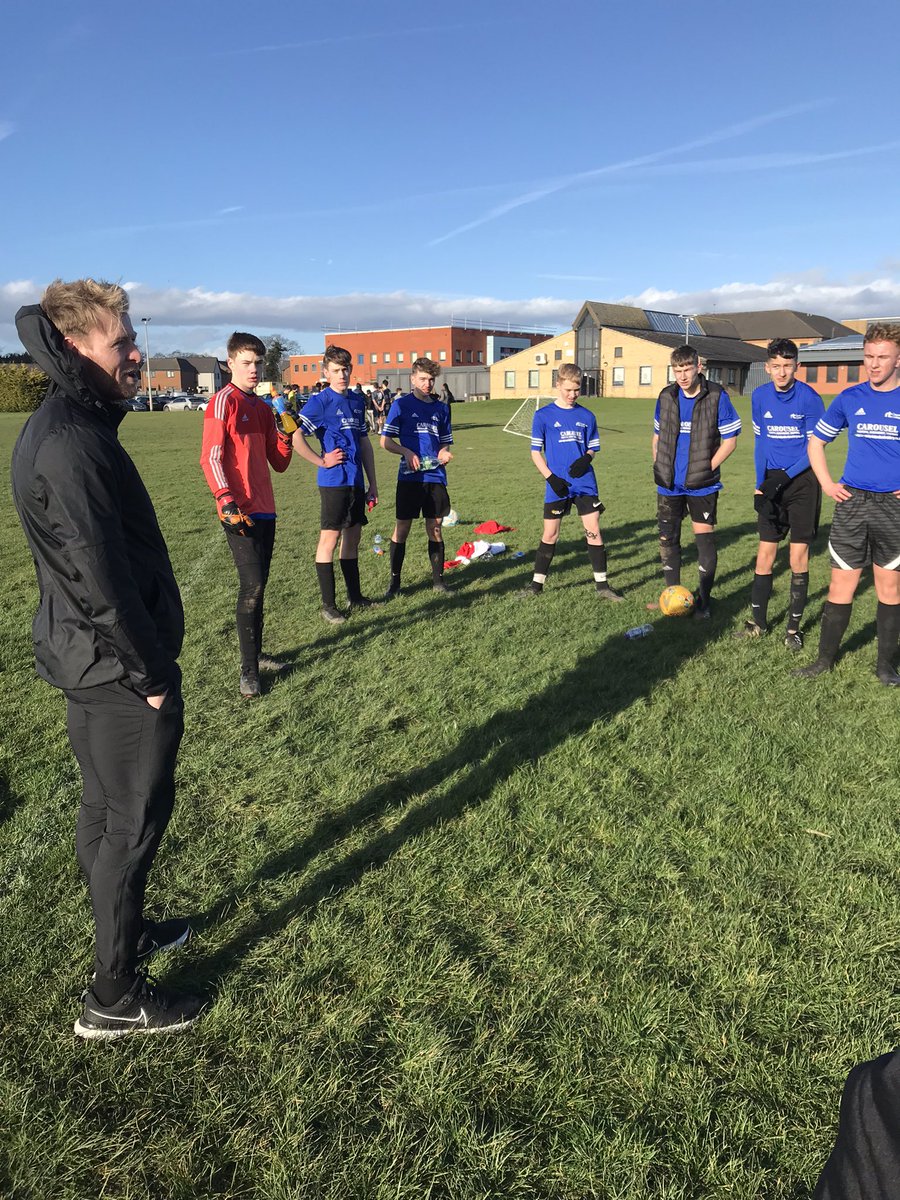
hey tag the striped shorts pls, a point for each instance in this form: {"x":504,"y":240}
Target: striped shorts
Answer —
{"x":866,"y":529}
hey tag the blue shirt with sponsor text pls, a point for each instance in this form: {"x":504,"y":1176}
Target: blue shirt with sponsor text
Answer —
{"x":729,"y":424}
{"x":563,"y":435}
{"x":338,"y":420}
{"x":422,"y":426}
{"x":872,"y":421}
{"x":783,"y":422}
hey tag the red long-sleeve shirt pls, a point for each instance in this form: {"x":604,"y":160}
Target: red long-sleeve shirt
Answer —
{"x":240,"y":443}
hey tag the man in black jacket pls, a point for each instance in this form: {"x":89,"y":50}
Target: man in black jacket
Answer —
{"x":107,"y":632}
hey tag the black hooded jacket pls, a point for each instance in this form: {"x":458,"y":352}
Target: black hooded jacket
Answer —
{"x":109,"y":604}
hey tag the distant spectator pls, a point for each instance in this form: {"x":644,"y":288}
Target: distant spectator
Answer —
{"x":446,"y":395}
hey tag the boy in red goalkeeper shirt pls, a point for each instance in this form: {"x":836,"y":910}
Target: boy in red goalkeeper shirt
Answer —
{"x":242,"y":439}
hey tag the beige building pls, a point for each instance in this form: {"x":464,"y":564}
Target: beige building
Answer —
{"x":861,"y":324}
{"x":532,"y":372}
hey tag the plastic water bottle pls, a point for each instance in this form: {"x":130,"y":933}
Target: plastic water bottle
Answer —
{"x":638,"y":631}
{"x":519,"y":554}
{"x":377,"y":539}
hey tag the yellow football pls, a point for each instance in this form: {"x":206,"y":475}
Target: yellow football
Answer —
{"x":676,"y":601}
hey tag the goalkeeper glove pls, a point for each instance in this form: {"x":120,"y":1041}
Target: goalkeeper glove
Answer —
{"x":234,"y":520}
{"x":580,"y":466}
{"x":774,"y":484}
{"x":560,"y":486}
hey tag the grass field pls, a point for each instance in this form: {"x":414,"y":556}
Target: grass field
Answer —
{"x":491,"y":901}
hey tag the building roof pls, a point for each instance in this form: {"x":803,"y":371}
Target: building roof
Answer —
{"x":621,"y":316}
{"x":203,"y":362}
{"x":844,"y":349}
{"x":711,"y":349}
{"x":771,"y":323}
{"x":170,"y":364}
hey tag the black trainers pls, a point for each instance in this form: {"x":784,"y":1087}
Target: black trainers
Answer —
{"x":439,"y":586}
{"x":605,"y":592}
{"x":533,"y":589}
{"x":819,"y":667}
{"x":146,"y":1008}
{"x":362,"y":602}
{"x":332,"y":615}
{"x":750,"y":629}
{"x":249,"y":687}
{"x":793,"y":639}
{"x":888,"y":676}
{"x":162,"y":935}
{"x":701,"y":611}
{"x":271,"y":664}
{"x":392,"y":592}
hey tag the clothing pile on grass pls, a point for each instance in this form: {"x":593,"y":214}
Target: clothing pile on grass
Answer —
{"x":470,"y":551}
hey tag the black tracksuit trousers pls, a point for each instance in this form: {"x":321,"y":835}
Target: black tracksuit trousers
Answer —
{"x":126,"y":751}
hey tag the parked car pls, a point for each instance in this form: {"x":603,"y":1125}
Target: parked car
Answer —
{"x":200,"y":403}
{"x":137,"y":404}
{"x":177,"y":403}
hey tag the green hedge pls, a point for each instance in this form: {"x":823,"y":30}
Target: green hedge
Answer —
{"x":22,"y":387}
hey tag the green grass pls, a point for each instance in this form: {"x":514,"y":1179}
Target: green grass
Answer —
{"x":491,"y":902}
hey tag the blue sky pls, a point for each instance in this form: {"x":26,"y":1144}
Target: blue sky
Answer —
{"x":284,"y":167}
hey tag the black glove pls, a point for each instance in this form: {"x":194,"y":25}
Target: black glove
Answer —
{"x":560,"y":486}
{"x":286,"y":424}
{"x":774,"y":484}
{"x":580,"y":466}
{"x":234,"y":521}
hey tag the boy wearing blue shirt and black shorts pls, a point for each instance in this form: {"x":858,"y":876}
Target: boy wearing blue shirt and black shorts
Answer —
{"x":337,"y":417}
{"x":418,"y":430}
{"x":865,"y":527}
{"x":564,"y":440}
{"x":695,"y":428}
{"x":788,"y":496}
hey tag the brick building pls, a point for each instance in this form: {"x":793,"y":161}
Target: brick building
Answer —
{"x":379,"y":352}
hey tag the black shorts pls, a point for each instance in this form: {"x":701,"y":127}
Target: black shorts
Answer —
{"x":866,"y":529}
{"x":342,"y":507}
{"x":555,"y":510}
{"x":797,"y":511}
{"x":420,"y":499}
{"x":671,"y":510}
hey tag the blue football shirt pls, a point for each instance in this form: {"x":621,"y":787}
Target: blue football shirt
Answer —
{"x":338,"y":420}
{"x":729,"y":424}
{"x":872,"y":421}
{"x":422,"y":426}
{"x":563,"y":435}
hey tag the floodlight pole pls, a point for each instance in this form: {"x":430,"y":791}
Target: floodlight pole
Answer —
{"x":145,"y":321}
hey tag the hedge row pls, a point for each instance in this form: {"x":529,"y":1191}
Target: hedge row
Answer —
{"x":22,"y":387}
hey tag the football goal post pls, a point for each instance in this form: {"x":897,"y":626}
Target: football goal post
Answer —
{"x":520,"y":422}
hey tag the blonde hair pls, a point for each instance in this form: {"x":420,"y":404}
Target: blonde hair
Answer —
{"x":77,"y":307}
{"x":882,"y":331}
{"x":569,"y":371}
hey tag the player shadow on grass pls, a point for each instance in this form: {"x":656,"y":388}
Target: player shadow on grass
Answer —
{"x":607,"y":681}
{"x":9,"y":801}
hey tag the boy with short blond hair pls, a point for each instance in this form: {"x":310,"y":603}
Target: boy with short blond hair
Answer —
{"x":564,"y":440}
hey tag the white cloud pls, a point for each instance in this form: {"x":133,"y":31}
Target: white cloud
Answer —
{"x":199,"y":319}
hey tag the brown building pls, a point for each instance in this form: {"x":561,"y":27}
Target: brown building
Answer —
{"x":378,"y":352}
{"x":760,"y":328}
{"x":833,"y":365}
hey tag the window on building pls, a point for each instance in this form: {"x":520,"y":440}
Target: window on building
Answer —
{"x":509,"y":379}
{"x":304,"y":366}
{"x":399,"y":356}
{"x":831,"y":373}
{"x":555,"y":380}
{"x":296,"y":368}
{"x":442,"y":355}
{"x":360,"y":359}
{"x":457,"y":356}
{"x":617,"y":352}
{"x":170,"y":374}
{"x":468,"y":356}
{"x":373,"y":358}
{"x":618,"y":376}
{"x":732,"y":376}
{"x":645,"y":376}
{"x":413,"y":356}
{"x":481,"y":356}
{"x":534,"y":379}
{"x":853,"y":373}
{"x":670,"y":375}
{"x":428,"y":354}
{"x":386,"y":358}
{"x":812,"y":374}
{"x":557,"y":355}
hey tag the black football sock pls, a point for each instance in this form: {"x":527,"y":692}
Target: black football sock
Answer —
{"x":760,"y":595}
{"x":397,"y":553}
{"x":670,"y":556}
{"x":436,"y":558}
{"x":325,"y":572}
{"x":887,"y":623}
{"x":542,"y":560}
{"x":797,"y":602}
{"x":707,"y":558}
{"x":597,"y":555}
{"x":108,"y":990}
{"x":350,"y":571}
{"x":835,"y":619}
